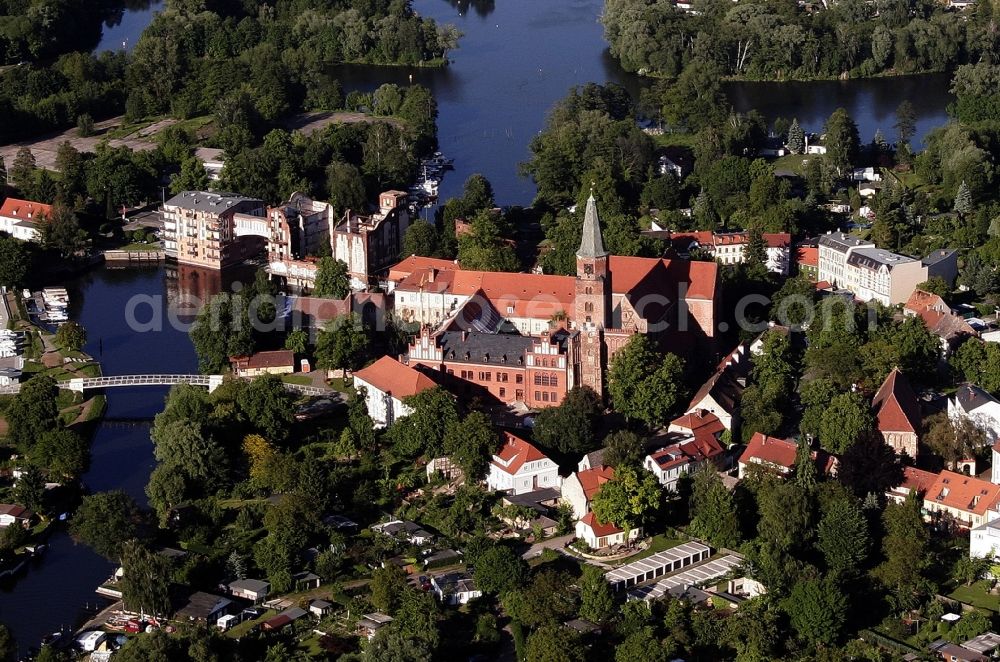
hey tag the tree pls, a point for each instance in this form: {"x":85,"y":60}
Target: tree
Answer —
{"x":22,"y":171}
{"x":755,"y":254}
{"x":805,"y":466}
{"x":842,"y":141}
{"x":8,"y":647}
{"x":846,"y":419}
{"x":386,"y":587}
{"x":297,"y":341}
{"x":715,"y":518}
{"x":145,"y":581}
{"x":628,"y":498}
{"x":843,"y":534}
{"x":63,"y":453}
{"x":645,"y":385}
{"x":817,"y":610}
{"x":390,"y":645}
{"x":796,"y":142}
{"x":222,"y":330}
{"x":906,"y":121}
{"x":936,"y":285}
{"x":786,"y":516}
{"x":192,"y":177}
{"x":904,"y":553}
{"x":105,"y":521}
{"x":420,"y":239}
{"x":470,"y":443}
{"x":13,"y":262}
{"x":84,"y":125}
{"x":72,"y":175}
{"x":596,"y":600}
{"x":432,"y":413}
{"x":963,"y":200}
{"x":484,"y":248}
{"x":548,"y":599}
{"x":29,"y":491}
{"x":623,"y":447}
{"x":267,"y":405}
{"x":641,"y":645}
{"x":569,"y":428}
{"x":71,"y":336}
{"x":870,"y":466}
{"x":332,"y":281}
{"x":955,"y":438}
{"x":499,"y":570}
{"x":554,"y":643}
{"x":62,"y":233}
{"x":181,"y":446}
{"x":32,"y":412}
{"x":343,"y":344}
{"x":345,"y":187}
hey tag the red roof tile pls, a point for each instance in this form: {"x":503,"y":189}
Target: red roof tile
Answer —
{"x":390,"y":376}
{"x":807,"y":255}
{"x":964,"y":493}
{"x":780,"y":452}
{"x":592,"y":479}
{"x":600,"y":529}
{"x":917,"y":480}
{"x":699,"y":421}
{"x":897,"y":409}
{"x":515,"y":453}
{"x":921,"y":300}
{"x":12,"y":509}
{"x":280,"y":358}
{"x":415,"y":263}
{"x":24,"y":210}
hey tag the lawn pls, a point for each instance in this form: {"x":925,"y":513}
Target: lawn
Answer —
{"x":658,"y":544}
{"x":674,"y":139}
{"x":246,"y":626}
{"x":977,"y":595}
{"x":796,"y":163}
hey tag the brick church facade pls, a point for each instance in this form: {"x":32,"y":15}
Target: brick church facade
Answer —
{"x":478,"y":338}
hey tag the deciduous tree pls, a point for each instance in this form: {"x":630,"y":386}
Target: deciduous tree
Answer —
{"x":145,"y":581}
{"x":332,"y":281}
{"x":570,"y":427}
{"x":715,"y":517}
{"x":106,"y":520}
{"x":645,"y":385}
{"x":71,"y":336}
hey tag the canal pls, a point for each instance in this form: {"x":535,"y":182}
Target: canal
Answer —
{"x":517,"y":58}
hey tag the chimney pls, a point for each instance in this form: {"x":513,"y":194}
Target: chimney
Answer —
{"x":431,"y":274}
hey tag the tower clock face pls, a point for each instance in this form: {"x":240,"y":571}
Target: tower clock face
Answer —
{"x":588,"y":269}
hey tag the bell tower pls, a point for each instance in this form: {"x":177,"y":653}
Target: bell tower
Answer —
{"x":592,"y":301}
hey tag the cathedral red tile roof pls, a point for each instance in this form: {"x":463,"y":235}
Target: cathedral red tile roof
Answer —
{"x":897,"y":409}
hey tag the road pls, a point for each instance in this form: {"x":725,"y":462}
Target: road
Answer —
{"x":556,"y":543}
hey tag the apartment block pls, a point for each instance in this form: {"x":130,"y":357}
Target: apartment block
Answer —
{"x":369,"y":245}
{"x":200,"y":228}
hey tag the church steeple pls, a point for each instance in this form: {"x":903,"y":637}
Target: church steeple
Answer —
{"x":591,"y":243}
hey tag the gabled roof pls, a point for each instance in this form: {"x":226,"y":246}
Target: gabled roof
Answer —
{"x":13,"y":510}
{"x":24,"y":210}
{"x":515,"y":453}
{"x":390,"y":376}
{"x":971,"y":397}
{"x":599,"y":528}
{"x":807,"y":255}
{"x":280,"y":358}
{"x":724,"y":385}
{"x":921,"y":300}
{"x":592,"y":479}
{"x":781,"y":452}
{"x":700,"y":420}
{"x":946,"y":325}
{"x":699,"y":448}
{"x":916,"y":480}
{"x":965,"y":493}
{"x":415,"y":263}
{"x":896,"y":405}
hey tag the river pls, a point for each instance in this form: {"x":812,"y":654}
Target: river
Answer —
{"x":52,"y":594}
{"x":517,"y":58}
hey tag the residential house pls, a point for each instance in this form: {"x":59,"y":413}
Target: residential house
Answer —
{"x":409,"y":531}
{"x":579,"y":489}
{"x":370,"y":244}
{"x":23,"y":219}
{"x":987,"y":644}
{"x":807,"y":262}
{"x":455,"y":588}
{"x":372,"y":623}
{"x":701,"y":422}
{"x":897,"y":413}
{"x":283,"y":620}
{"x":200,"y":228}
{"x":872,"y":273}
{"x":598,"y":535}
{"x":778,"y":455}
{"x":11,"y":513}
{"x":305,"y":580}
{"x":591,"y":460}
{"x":950,"y":652}
{"x":386,"y":383}
{"x":721,"y":393}
{"x":204,"y":608}
{"x":730,"y":247}
{"x":277,"y":362}
{"x":984,"y":540}
{"x":254,"y":590}
{"x":671,"y":462}
{"x":950,"y":328}
{"x":519,"y":467}
{"x":974,"y":403}
{"x":915,"y":481}
{"x":961,"y":500}
{"x":416,"y":263}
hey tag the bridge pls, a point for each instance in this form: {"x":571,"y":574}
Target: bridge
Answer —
{"x":212,"y":382}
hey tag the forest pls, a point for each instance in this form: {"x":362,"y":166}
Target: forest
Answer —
{"x":784,"y":40}
{"x":195,"y":53}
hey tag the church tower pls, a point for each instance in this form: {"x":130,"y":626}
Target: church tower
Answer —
{"x":592,"y":302}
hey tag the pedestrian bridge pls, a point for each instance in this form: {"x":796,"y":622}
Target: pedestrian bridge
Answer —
{"x":212,"y":382}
